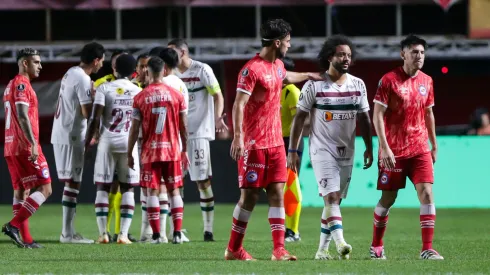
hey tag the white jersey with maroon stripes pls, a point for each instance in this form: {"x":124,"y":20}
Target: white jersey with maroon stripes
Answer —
{"x":201,"y":85}
{"x":333,"y":110}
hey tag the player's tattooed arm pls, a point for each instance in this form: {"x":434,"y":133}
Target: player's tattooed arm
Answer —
{"x":430,"y":123}
{"x":237,"y":146}
{"x":25,"y":125}
{"x":294,"y":139}
{"x":365,"y":126}
{"x":93,"y":124}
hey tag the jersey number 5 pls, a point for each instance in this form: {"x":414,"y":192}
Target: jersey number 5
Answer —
{"x":162,"y":116}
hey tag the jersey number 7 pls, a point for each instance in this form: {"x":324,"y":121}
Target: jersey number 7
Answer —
{"x":162,"y":116}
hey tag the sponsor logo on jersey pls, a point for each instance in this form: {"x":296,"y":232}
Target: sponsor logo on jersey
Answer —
{"x":329,"y":116}
{"x":325,"y":86}
{"x":300,"y":97}
{"x":120,"y":91}
{"x":341,"y":151}
{"x":279,"y":73}
{"x":252,"y":176}
{"x":422,"y":90}
{"x":323,"y":183}
{"x":384,"y":178}
{"x":192,"y":97}
{"x":21,"y":87}
{"x":45,"y":172}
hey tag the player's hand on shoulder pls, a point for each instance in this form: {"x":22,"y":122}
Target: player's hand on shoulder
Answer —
{"x":317,"y":76}
{"x":237,"y":148}
{"x":368,"y":159}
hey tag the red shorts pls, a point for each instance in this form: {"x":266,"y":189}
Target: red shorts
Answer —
{"x":419,"y":169}
{"x":258,"y":168}
{"x":26,"y":174}
{"x":152,"y":173}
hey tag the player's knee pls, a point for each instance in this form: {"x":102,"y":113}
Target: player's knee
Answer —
{"x":248,"y":199}
{"x":425,"y":194}
{"x":174,"y":192}
{"x":203,"y":184}
{"x":73,"y":185}
{"x":46,"y":190}
{"x":332,"y":198}
{"x":126,"y":187}
{"x":388,"y":198}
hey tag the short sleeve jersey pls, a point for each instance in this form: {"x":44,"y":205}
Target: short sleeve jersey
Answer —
{"x":262,"y":80}
{"x":333,"y":111}
{"x":201,"y":85}
{"x":406,"y":99}
{"x":69,"y":125}
{"x":158,"y":108}
{"x":117,"y":98}
{"x":289,"y":99}
{"x":19,"y":91}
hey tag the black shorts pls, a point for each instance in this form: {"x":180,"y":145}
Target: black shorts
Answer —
{"x":300,"y":148}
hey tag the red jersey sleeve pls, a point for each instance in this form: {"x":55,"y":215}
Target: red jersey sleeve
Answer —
{"x":22,"y":92}
{"x":136,"y":109}
{"x":246,"y":80}
{"x":382,"y":96}
{"x":182,"y":105}
{"x":430,"y":97}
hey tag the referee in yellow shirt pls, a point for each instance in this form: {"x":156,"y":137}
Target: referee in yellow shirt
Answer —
{"x":292,"y":190}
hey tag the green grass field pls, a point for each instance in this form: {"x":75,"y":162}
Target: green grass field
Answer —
{"x":462,"y":237}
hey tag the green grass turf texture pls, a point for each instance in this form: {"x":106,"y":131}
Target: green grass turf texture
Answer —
{"x":461,"y":236}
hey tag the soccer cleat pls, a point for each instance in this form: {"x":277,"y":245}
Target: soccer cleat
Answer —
{"x":183,"y":236}
{"x":291,"y":236}
{"x":177,"y":239}
{"x":78,"y":238}
{"x":123,"y":240}
{"x":240,"y":255}
{"x":344,"y":257}
{"x":146,"y":238}
{"x":430,"y":254}
{"x":377,"y":253}
{"x":281,"y":254}
{"x":159,"y":240}
{"x":323,"y":255}
{"x":344,"y":250}
{"x":208,"y":236}
{"x":103,"y":239}
{"x":131,"y":238}
{"x":114,"y":238}
{"x":33,"y":245}
{"x":13,"y":233}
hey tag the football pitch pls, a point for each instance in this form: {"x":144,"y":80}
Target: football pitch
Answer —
{"x":461,"y":236}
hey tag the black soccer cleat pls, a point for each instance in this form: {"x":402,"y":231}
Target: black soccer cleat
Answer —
{"x":208,"y":236}
{"x":131,"y":238}
{"x":33,"y":245}
{"x":13,"y":233}
{"x":177,"y":239}
{"x":114,"y":238}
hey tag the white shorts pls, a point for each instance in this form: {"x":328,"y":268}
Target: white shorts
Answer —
{"x":331,"y":177}
{"x":108,"y":162}
{"x":69,"y":162}
{"x":200,"y":159}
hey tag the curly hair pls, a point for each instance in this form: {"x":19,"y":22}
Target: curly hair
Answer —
{"x":329,"y":49}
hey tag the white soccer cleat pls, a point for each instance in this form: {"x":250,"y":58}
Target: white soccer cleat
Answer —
{"x":183,"y":237}
{"x":123,"y":240}
{"x":323,"y":255}
{"x":159,"y":241}
{"x":103,"y":239}
{"x":75,"y":239}
{"x":344,"y":257}
{"x":430,"y":254}
{"x":145,"y":238}
{"x":344,"y":250}
{"x":377,"y":253}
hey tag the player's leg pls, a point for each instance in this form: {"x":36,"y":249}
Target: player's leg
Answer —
{"x":104,"y":171}
{"x":421,"y":173}
{"x":146,"y":232}
{"x":115,"y":198}
{"x":276,"y":172}
{"x":150,"y":179}
{"x":127,"y":191}
{"x":251,"y":181}
{"x":200,"y":172}
{"x":164,"y":212}
{"x":389,"y":182}
{"x":40,"y":181}
{"x":172,"y":175}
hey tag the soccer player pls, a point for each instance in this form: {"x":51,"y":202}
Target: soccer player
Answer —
{"x":205,"y":115}
{"x":171,"y":60}
{"x":113,"y":105}
{"x":333,"y":105}
{"x":69,"y":127}
{"x":404,"y":120}
{"x":26,"y":162}
{"x":292,"y":192}
{"x":141,"y":79}
{"x":257,"y":144}
{"x":161,"y":111}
